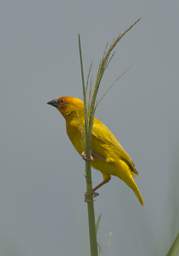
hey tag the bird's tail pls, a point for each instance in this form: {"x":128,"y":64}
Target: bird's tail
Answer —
{"x":128,"y":177}
{"x":137,"y":193}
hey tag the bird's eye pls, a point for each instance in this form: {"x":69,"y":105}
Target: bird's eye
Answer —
{"x":61,"y":101}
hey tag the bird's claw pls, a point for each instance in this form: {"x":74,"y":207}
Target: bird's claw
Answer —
{"x":90,"y":196}
{"x":84,"y":156}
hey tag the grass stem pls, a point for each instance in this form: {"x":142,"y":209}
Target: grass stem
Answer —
{"x":90,"y":97}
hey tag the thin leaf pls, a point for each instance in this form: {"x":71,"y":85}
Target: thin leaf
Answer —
{"x":111,"y":86}
{"x":97,"y":231}
{"x":102,"y":67}
{"x":174,"y":250}
{"x":88,"y":76}
{"x":98,"y":223}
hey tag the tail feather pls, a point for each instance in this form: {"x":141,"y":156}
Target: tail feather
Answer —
{"x":138,"y":195}
{"x":125,"y":173}
{"x":132,"y":184}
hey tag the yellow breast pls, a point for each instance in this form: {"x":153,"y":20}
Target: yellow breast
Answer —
{"x":75,"y":133}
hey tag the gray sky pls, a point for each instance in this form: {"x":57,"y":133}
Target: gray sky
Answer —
{"x":42,"y":183}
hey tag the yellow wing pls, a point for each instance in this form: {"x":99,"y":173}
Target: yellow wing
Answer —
{"x":107,"y":145}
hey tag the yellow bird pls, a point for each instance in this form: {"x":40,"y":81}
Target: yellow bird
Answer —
{"x":108,"y":155}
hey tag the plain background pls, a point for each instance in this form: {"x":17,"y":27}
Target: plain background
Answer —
{"x":42,"y":209}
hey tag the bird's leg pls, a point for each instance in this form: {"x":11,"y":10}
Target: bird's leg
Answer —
{"x":94,"y":193}
{"x":84,"y":156}
{"x":106,"y":180}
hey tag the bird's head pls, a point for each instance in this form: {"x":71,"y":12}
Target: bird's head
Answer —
{"x":67,"y":104}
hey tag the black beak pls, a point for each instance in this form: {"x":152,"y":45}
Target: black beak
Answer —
{"x":53,"y":103}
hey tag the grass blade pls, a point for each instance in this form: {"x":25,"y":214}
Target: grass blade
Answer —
{"x":174,"y":250}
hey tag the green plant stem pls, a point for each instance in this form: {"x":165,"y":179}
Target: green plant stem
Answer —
{"x":89,"y":194}
{"x":89,"y":111}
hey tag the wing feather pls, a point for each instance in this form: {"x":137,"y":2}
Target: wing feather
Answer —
{"x":106,"y":144}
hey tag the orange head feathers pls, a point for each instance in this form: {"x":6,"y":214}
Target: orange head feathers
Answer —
{"x":67,"y":104}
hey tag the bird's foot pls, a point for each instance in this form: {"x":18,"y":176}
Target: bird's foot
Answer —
{"x":90,"y":196}
{"x":84,"y":156}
